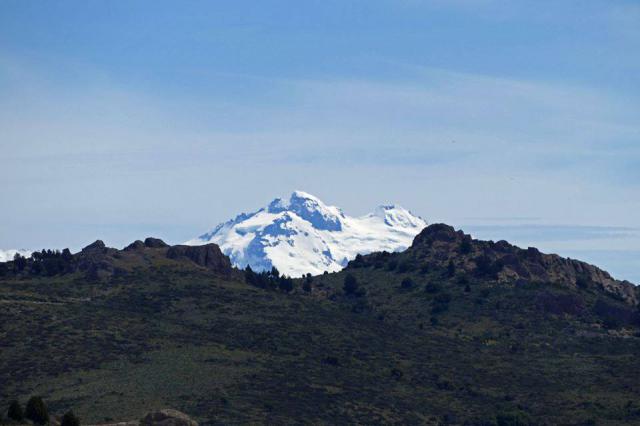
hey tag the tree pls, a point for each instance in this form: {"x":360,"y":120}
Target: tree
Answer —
{"x":36,"y":411}
{"x":350,"y":284}
{"x":274,"y":272}
{"x":70,"y":419}
{"x":285,"y":284}
{"x":250,"y":276}
{"x":19,"y":262}
{"x":15,"y":411}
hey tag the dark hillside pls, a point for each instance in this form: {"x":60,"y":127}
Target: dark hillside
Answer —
{"x":451,"y":331}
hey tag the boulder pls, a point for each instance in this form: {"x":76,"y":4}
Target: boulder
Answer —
{"x":167,"y":417}
{"x":134,"y":246}
{"x":97,"y":245}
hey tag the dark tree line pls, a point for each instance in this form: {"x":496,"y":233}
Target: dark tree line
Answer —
{"x":45,"y":262}
{"x":268,"y":279}
{"x":36,"y":410}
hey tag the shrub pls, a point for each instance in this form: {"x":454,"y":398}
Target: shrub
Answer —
{"x":350,"y":284}
{"x":36,"y":411}
{"x":70,"y":419}
{"x":407,"y":283}
{"x":15,"y":411}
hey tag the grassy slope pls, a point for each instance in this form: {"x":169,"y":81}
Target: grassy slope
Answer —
{"x":169,"y":334}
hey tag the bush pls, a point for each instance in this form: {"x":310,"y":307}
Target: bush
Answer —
{"x":407,"y":283}
{"x":350,"y":284}
{"x":70,"y":419}
{"x":36,"y":411}
{"x":15,"y":411}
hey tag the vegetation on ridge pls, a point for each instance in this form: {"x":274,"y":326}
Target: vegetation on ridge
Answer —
{"x":451,"y":331}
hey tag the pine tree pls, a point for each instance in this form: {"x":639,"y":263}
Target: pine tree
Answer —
{"x":350,"y":284}
{"x":36,"y":411}
{"x":15,"y":411}
{"x":70,"y":419}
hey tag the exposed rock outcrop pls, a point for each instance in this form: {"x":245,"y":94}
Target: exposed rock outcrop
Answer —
{"x":167,"y":417}
{"x":97,"y":245}
{"x":155,"y":243}
{"x":439,"y":245}
{"x":208,"y":255}
{"x":135,"y":246}
{"x":164,"y":417}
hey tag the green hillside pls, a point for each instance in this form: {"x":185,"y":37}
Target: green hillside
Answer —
{"x":451,"y":331}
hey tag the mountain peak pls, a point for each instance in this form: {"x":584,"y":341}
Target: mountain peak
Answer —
{"x":396,"y":215}
{"x":311,"y":209}
{"x":302,"y":234}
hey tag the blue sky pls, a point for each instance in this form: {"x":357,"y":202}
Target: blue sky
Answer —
{"x":514,"y":119}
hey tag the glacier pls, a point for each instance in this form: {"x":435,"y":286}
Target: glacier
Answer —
{"x":301,"y":235}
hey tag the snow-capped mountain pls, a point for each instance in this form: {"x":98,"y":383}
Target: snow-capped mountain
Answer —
{"x":303,"y":235}
{"x":7,"y":255}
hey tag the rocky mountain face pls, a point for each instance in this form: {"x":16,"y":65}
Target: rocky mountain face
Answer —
{"x":97,"y":261}
{"x":441,"y":246}
{"x":303,"y":235}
